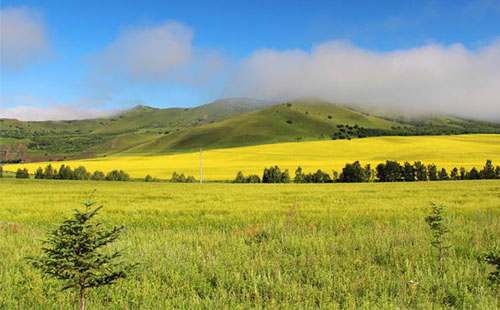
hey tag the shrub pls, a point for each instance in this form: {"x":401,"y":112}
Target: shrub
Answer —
{"x":22,"y":173}
{"x":98,"y":176}
{"x":181,"y":178}
{"x":117,"y":175}
{"x":274,"y":175}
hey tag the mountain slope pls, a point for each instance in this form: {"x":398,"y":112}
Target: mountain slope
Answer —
{"x":220,"y":124}
{"x":292,"y":121}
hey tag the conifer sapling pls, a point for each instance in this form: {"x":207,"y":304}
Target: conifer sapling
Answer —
{"x":73,"y":253}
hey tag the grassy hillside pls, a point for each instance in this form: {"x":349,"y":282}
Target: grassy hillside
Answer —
{"x":262,"y":246}
{"x":77,"y":138}
{"x":294,"y":121}
{"x":221,"y":124}
{"x":223,"y":164}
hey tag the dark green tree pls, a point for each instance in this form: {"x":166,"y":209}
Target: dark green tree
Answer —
{"x":73,"y":253}
{"x":98,"y":176}
{"x":463,"y":173}
{"x":432,"y":171}
{"x":22,"y":173}
{"x":473,"y":174}
{"x":80,"y":173}
{"x":148,"y":178}
{"x":352,"y":173}
{"x":409,"y":173}
{"x":391,"y":171}
{"x":497,"y":172}
{"x":420,"y":171}
{"x":454,"y":175}
{"x":65,"y":173}
{"x":368,"y":173}
{"x":253,"y":178}
{"x":299,"y":176}
{"x":443,"y":175}
{"x":117,"y":175}
{"x":49,"y":172}
{"x":488,"y":171}
{"x":274,"y":175}
{"x":39,"y":173}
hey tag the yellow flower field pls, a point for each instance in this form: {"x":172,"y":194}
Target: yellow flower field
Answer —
{"x":223,"y":164}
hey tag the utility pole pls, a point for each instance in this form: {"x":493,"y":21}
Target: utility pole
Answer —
{"x":201,"y":168}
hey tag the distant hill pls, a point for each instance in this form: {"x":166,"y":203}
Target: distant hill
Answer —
{"x":220,"y":124}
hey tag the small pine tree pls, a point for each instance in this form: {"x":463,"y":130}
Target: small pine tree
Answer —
{"x":493,"y":258}
{"x":439,"y":230}
{"x":39,"y":173}
{"x":73,"y":253}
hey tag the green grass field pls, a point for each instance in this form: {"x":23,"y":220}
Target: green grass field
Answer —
{"x":243,"y":246}
{"x":223,"y":164}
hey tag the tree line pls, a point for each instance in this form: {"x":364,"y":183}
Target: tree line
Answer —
{"x":390,"y":171}
{"x":81,"y":173}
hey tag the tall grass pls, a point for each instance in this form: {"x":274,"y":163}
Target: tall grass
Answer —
{"x":232,"y":246}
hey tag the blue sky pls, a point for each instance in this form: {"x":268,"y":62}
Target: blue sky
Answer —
{"x":74,"y":65}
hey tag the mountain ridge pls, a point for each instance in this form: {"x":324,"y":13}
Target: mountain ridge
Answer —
{"x":222,"y":123}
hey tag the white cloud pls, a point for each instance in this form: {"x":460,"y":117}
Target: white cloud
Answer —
{"x":437,"y":78}
{"x":54,"y":112}
{"x":149,"y":53}
{"x":31,"y":108}
{"x":23,"y":38}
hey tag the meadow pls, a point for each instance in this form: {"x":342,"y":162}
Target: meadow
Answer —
{"x":255,"y":246}
{"x":223,"y":164}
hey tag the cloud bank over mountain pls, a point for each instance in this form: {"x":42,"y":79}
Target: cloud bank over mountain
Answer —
{"x":431,"y":78}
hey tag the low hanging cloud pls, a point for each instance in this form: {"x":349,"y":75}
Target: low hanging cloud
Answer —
{"x":52,"y":112}
{"x":32,"y":108}
{"x":432,"y":78}
{"x":23,"y":38}
{"x":148,"y":53}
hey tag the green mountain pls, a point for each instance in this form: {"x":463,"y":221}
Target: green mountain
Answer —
{"x":220,"y":124}
{"x":292,"y":121}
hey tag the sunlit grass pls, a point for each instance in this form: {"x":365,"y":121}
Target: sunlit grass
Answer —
{"x":244,"y":246}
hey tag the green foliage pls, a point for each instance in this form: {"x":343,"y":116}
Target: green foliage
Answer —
{"x":391,"y":171}
{"x":488,"y":171}
{"x":493,"y":258}
{"x":420,"y":171}
{"x":22,"y":173}
{"x":443,"y":175}
{"x":181,"y":178}
{"x":98,"y":176}
{"x":1,"y":171}
{"x":439,"y":230}
{"x":316,"y":177}
{"x":432,"y":172}
{"x":473,"y":174}
{"x":241,"y":178}
{"x":149,"y":178}
{"x":275,"y":175}
{"x":353,"y":173}
{"x":409,"y":172}
{"x":73,"y":253}
{"x":117,"y":175}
